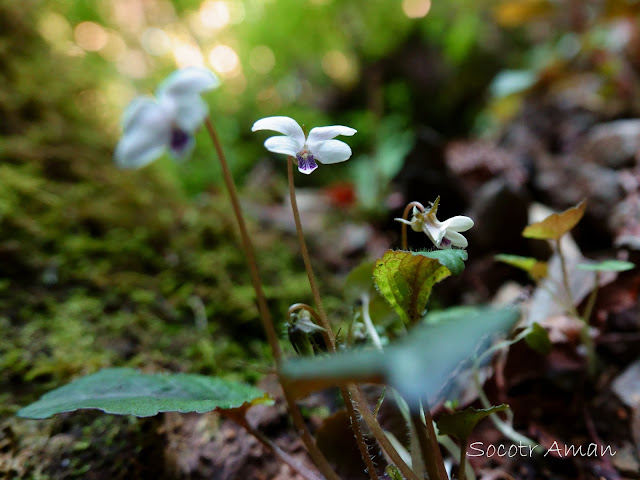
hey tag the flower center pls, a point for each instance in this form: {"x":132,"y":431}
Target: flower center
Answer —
{"x":306,"y":162}
{"x":179,"y":140}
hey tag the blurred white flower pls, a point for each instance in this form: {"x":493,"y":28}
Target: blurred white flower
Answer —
{"x":168,"y":122}
{"x":319,"y":146}
{"x":442,"y":234}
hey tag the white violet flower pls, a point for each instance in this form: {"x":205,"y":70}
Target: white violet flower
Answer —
{"x":442,"y":234}
{"x":168,"y":122}
{"x":319,"y":146}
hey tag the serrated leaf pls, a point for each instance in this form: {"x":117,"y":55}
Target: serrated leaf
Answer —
{"x":405,"y":279}
{"x":419,"y":365}
{"x":536,"y":269}
{"x":538,"y":339}
{"x":557,"y":224}
{"x":606,"y":266}
{"x":460,"y":424}
{"x":127,"y":391}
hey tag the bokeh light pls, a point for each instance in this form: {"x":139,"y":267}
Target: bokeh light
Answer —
{"x":215,"y":14}
{"x":416,"y":8}
{"x":187,"y":54}
{"x":224,"y":60}
{"x":90,"y":36}
{"x":155,"y":41}
{"x":339,"y":67}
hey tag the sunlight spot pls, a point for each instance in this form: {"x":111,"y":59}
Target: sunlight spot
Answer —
{"x":90,"y":36}
{"x":224,"y":60}
{"x":262,"y":59}
{"x":155,"y":41}
{"x":115,"y":48}
{"x":416,"y":8}
{"x":54,"y":28}
{"x":187,"y":55}
{"x":214,"y":14}
{"x":339,"y":67}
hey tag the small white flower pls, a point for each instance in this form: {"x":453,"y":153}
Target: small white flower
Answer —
{"x":442,"y":234}
{"x":319,"y":146}
{"x":168,"y":122}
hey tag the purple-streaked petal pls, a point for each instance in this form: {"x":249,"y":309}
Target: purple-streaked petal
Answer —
{"x":188,"y":81}
{"x":306,"y":165}
{"x":285,"y":145}
{"x":285,"y":125}
{"x":181,"y":144}
{"x":320,"y":134}
{"x":330,"y":151}
{"x":458,"y":223}
{"x":457,"y":239}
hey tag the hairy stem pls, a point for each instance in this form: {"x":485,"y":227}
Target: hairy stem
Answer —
{"x":429,"y":443}
{"x":265,"y":316}
{"x":381,"y":437}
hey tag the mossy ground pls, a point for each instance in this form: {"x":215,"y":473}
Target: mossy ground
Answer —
{"x":100,"y":267}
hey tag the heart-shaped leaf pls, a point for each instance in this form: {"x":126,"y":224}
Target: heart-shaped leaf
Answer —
{"x":557,"y":224}
{"x":536,"y":269}
{"x":606,"y":266}
{"x":405,"y":279}
{"x":460,"y":424}
{"x":126,"y":391}
{"x":419,"y":365}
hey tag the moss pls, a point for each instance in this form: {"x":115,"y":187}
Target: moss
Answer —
{"x":100,"y":267}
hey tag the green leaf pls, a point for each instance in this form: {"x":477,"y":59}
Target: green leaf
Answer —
{"x":460,"y":424}
{"x":536,"y":269}
{"x":557,"y":224}
{"x":538,"y":339}
{"x":126,"y":391}
{"x":607,"y":266}
{"x":419,"y":365}
{"x":451,"y":258}
{"x":405,"y":279}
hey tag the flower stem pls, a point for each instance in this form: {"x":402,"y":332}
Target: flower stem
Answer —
{"x":429,"y":443}
{"x":348,"y":402}
{"x":265,"y":316}
{"x":405,"y":214}
{"x":565,"y":280}
{"x":586,"y":316}
{"x":324,"y":321}
{"x":381,"y":437}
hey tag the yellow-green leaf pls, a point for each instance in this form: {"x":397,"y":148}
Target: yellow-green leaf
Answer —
{"x":405,"y":279}
{"x":557,"y":224}
{"x":536,"y":269}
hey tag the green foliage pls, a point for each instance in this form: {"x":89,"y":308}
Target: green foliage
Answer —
{"x":538,"y":339}
{"x":126,"y":391}
{"x":460,"y":424}
{"x":536,"y":269}
{"x":445,"y":347}
{"x":606,"y":266}
{"x":405,"y":279}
